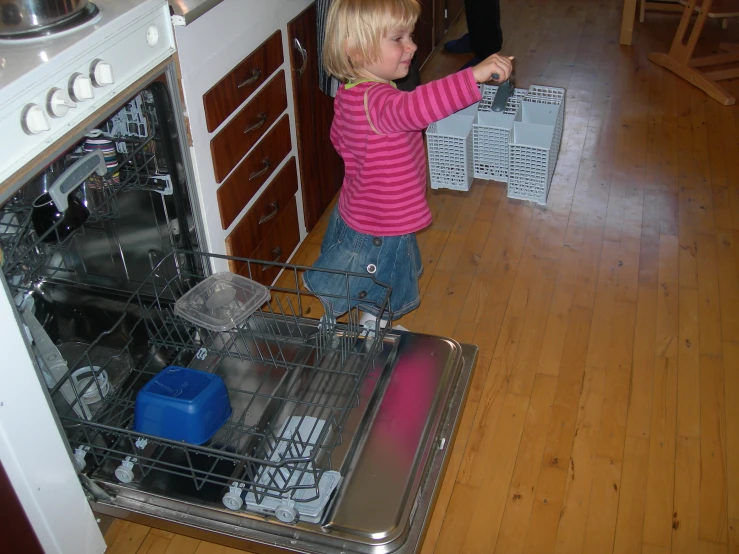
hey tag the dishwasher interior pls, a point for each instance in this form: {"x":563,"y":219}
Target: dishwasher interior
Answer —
{"x":332,"y":431}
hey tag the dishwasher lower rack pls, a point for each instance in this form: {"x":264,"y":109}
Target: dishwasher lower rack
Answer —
{"x":292,"y":384}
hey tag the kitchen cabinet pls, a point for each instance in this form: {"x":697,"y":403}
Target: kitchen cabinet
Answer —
{"x":321,"y":168}
{"x":237,"y":81}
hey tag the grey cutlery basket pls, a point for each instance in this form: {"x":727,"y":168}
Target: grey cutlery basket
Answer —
{"x":518,"y":146}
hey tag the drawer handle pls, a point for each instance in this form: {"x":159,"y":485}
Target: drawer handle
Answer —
{"x":256,"y":73}
{"x":262,"y":120}
{"x":275,"y":208}
{"x":277,"y":252}
{"x":303,"y":55}
{"x":265,"y":168}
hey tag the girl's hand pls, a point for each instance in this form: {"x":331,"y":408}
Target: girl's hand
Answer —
{"x":497,"y":65}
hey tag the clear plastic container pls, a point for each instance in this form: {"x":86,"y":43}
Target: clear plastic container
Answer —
{"x":222,"y":301}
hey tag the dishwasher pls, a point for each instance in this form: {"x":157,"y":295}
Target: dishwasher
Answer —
{"x":335,"y":441}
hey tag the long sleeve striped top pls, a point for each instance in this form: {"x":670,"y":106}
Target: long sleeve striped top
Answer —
{"x":377,"y":131}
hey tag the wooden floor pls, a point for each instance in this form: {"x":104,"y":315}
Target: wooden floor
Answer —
{"x":603,"y":415}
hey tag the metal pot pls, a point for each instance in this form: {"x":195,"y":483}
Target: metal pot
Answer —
{"x":19,"y":17}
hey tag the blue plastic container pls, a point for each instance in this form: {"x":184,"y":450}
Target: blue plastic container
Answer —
{"x":182,"y":404}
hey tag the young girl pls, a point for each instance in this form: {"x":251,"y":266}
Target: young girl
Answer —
{"x":377,"y":130}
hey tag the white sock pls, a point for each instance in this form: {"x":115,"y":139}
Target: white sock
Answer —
{"x":367,"y":317}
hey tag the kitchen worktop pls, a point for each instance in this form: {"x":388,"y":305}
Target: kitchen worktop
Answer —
{"x":190,"y":10}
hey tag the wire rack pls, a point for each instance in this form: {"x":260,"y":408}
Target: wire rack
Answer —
{"x":302,"y":382}
{"x":28,"y":257}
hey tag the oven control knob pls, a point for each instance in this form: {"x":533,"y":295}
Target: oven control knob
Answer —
{"x":59,"y":103}
{"x":34,"y":120}
{"x":80,"y":88}
{"x":101,"y":73}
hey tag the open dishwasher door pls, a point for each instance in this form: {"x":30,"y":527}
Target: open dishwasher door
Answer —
{"x":401,"y":435}
{"x":337,"y":439}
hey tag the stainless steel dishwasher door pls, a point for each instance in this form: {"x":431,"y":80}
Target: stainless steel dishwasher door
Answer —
{"x":391,"y":478}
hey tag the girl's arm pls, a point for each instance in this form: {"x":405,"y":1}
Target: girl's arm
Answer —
{"x":393,"y":111}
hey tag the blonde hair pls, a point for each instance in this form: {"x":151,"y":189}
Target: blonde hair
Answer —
{"x":356,"y":27}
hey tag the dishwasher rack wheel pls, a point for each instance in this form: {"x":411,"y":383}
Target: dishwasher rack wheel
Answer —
{"x":79,"y":457}
{"x":232,"y":499}
{"x":124,"y":472}
{"x":286,"y":512}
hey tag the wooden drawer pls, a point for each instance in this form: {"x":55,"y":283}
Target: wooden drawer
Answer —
{"x":244,"y":130}
{"x":228,"y":93}
{"x":276,"y":247}
{"x":252,"y":173}
{"x":263,"y":216}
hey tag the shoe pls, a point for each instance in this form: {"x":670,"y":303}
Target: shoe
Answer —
{"x":471,"y":63}
{"x":461,"y":45}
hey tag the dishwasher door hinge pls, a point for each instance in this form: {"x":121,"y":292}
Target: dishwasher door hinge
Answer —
{"x":93,"y":491}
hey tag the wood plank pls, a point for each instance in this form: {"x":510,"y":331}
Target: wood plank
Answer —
{"x":457,"y":521}
{"x":600,"y":334}
{"x":688,"y":389}
{"x":545,"y":513}
{"x":155,"y":543}
{"x":487,"y":512}
{"x":713,"y":501}
{"x":528,"y":464}
{"x":667,"y":299}
{"x":728,"y":278}
{"x":559,"y":313}
{"x":630,"y":522}
{"x":580,"y":472}
{"x":652,"y":549}
{"x":733,"y":536}
{"x":639,"y":416}
{"x":687,"y":495}
{"x":604,"y":500}
{"x":460,"y":444}
{"x":731,"y":393}
{"x":472,"y":469}
{"x":129,"y":539}
{"x":661,"y":468}
{"x":612,"y":432}
{"x":709,"y":297}
{"x":707,"y":547}
{"x":115,"y":528}
{"x":183,"y":545}
{"x":541,"y":274}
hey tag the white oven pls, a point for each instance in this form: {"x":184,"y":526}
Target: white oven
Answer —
{"x":56,"y":86}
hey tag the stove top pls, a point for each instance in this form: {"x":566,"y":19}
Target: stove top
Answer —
{"x":88,"y":15}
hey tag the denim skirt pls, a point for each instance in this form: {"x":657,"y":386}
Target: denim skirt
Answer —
{"x":394,"y":261}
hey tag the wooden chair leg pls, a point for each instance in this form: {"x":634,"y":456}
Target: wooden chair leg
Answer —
{"x":693,"y":76}
{"x":627,"y":22}
{"x":682,"y":50}
{"x":642,"y":11}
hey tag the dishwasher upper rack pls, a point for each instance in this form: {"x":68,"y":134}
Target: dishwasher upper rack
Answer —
{"x":27,"y":258}
{"x":331,"y":362}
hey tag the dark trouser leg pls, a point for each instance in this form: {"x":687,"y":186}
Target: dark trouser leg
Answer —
{"x":483,"y":23}
{"x":412,"y":80}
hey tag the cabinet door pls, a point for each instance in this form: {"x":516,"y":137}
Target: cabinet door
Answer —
{"x":321,"y":168}
{"x":424,"y":31}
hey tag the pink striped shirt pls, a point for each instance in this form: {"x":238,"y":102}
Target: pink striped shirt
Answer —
{"x":384,"y":189}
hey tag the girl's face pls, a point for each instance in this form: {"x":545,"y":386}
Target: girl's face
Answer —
{"x":396,"y":53}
